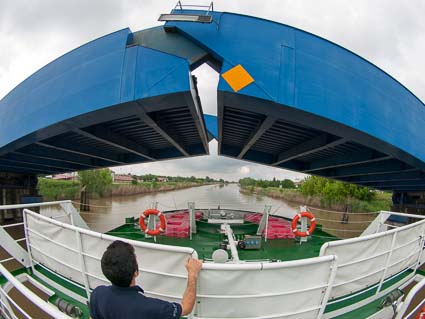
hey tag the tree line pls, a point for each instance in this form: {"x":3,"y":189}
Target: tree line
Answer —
{"x":178,"y":179}
{"x":251,"y":182}
{"x":99,"y":183}
{"x":327,"y":189}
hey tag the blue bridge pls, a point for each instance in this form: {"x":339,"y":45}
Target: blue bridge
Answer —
{"x":286,"y":98}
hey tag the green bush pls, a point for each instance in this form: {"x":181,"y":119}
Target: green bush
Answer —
{"x":97,"y":181}
{"x":331,"y":190}
{"x":52,"y":189}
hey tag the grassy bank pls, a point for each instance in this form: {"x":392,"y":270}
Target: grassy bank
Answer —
{"x":59,"y":190}
{"x":381,"y":201}
{"x":150,"y":187}
{"x":52,"y":189}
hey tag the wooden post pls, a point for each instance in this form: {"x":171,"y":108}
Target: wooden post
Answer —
{"x":84,"y":200}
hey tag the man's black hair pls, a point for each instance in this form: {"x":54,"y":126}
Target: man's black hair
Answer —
{"x":119,"y":263}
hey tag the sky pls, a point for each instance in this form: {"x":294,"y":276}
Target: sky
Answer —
{"x":389,"y":33}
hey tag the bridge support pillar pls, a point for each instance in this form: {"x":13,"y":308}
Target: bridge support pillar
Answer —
{"x":16,"y":188}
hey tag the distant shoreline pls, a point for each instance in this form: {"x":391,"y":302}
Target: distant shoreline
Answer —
{"x":70,"y":190}
{"x":383,"y":202}
{"x":129,"y":190}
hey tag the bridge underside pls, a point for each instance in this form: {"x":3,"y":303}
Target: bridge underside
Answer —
{"x":153,"y":129}
{"x":286,"y":138}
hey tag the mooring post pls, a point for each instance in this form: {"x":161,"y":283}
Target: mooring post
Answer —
{"x":84,"y":200}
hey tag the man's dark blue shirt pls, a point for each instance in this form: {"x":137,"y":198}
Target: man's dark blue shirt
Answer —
{"x":114,"y":302}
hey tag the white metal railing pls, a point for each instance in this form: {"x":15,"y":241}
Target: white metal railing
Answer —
{"x":52,"y":244}
{"x":226,"y":294}
{"x":65,"y":206}
{"x":31,"y":205}
{"x":67,"y":253}
{"x":11,"y":245}
{"x":77,"y":255}
{"x":369,"y":261}
{"x":5,"y":300}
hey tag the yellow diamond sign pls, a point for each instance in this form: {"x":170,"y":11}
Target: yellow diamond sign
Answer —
{"x":237,"y":77}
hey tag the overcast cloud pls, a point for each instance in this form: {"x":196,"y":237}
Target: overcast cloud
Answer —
{"x":389,"y":33}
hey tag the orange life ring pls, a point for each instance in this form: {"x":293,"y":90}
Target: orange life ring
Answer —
{"x":421,"y":314}
{"x":312,"y":224}
{"x":152,"y":232}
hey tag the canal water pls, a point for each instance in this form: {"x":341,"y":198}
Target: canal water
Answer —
{"x":108,"y":213}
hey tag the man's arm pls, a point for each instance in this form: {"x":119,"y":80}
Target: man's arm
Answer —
{"x":193,"y":267}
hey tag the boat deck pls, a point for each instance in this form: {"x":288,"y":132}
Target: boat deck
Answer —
{"x":208,"y":238}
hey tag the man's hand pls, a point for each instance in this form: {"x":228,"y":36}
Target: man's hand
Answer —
{"x":193,"y":267}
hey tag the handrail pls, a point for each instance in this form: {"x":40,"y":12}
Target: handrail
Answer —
{"x":411,"y":260}
{"x":269,"y":265}
{"x":403,"y":214}
{"x":40,"y":303}
{"x":323,"y":287}
{"x":112,"y":238}
{"x":17,"y":206}
{"x":367,"y":237}
{"x":211,"y":266}
{"x":80,"y":267}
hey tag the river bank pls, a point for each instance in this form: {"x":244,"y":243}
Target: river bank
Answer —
{"x":61,"y":189}
{"x":145,"y":188}
{"x":380,"y":201}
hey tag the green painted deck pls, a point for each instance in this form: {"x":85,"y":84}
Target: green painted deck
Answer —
{"x":207,"y":240}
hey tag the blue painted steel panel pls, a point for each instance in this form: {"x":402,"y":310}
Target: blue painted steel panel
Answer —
{"x":97,"y":75}
{"x":306,"y":72}
{"x":129,"y":74}
{"x":159,"y":73}
{"x":212,"y":125}
{"x":149,"y":73}
{"x":83,"y":80}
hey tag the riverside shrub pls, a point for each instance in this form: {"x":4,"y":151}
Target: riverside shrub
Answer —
{"x":332,"y":190}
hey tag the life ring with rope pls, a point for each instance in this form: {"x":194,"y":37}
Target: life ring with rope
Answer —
{"x":162,"y":225}
{"x":297,"y":218}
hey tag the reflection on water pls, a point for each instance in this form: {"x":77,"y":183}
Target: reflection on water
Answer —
{"x":108,"y":213}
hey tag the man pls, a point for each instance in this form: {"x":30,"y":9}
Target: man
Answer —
{"x":124,"y":299}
